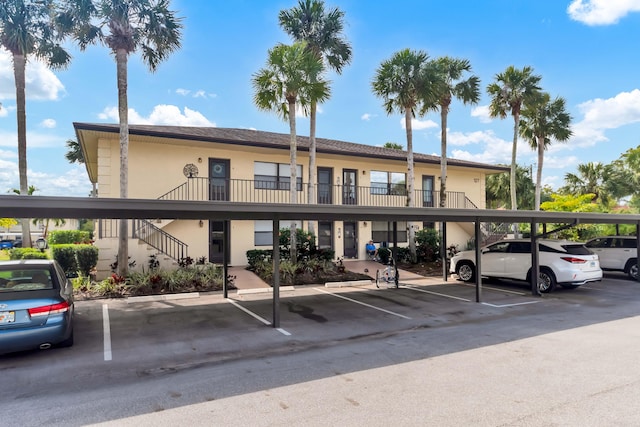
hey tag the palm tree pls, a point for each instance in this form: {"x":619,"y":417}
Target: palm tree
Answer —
{"x":322,"y":31}
{"x":148,"y":26}
{"x":28,"y":30}
{"x":400,"y":82}
{"x":512,"y":89}
{"x":449,"y":84}
{"x":498,"y":185}
{"x":292,"y":76}
{"x":590,"y":179}
{"x":75,"y":155}
{"x":540,"y":123}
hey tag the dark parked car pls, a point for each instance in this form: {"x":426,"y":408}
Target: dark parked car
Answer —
{"x":36,"y":306}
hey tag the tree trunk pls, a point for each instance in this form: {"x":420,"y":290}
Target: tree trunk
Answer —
{"x":514,"y":202}
{"x":539,"y":172}
{"x":293,"y":182}
{"x":312,"y":190}
{"x":410,"y":182}
{"x":123,"y":114}
{"x":19,"y":67}
{"x":443,"y":157}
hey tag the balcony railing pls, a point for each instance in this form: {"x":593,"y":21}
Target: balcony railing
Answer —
{"x":238,"y":190}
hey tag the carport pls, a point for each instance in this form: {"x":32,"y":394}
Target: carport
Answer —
{"x":18,"y":206}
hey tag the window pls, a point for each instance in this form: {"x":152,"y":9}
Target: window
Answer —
{"x":275,"y":176}
{"x":381,"y":231}
{"x":388,"y":183}
{"x":263,"y":231}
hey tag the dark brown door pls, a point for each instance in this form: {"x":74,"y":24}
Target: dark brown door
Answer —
{"x":218,"y":190}
{"x":350,"y":240}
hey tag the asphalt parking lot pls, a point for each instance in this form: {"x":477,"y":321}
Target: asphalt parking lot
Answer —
{"x":122,"y":342}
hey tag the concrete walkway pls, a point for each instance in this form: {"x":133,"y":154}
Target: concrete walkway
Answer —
{"x":245,"y":279}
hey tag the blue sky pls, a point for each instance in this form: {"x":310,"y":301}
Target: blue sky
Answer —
{"x":585,"y":51}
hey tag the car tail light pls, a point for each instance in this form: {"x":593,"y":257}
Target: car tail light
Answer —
{"x":46,"y":310}
{"x":573,"y":260}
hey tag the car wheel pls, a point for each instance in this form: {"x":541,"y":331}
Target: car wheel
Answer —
{"x":632,"y":269}
{"x":466,"y":271}
{"x":547,"y":281}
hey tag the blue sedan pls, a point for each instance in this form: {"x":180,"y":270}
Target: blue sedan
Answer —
{"x":36,"y":306}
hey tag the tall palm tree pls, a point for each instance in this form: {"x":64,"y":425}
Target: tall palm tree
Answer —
{"x":541,"y":122}
{"x":28,"y":30}
{"x":400,"y":82}
{"x":322,"y":31}
{"x":497,"y":189}
{"x":449,"y":84}
{"x":512,"y":89}
{"x":148,"y":26}
{"x":292,"y":76}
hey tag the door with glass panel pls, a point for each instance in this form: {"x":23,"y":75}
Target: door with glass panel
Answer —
{"x":349,"y":187}
{"x":427,"y":191}
{"x":218,"y":190}
{"x":325,"y":186}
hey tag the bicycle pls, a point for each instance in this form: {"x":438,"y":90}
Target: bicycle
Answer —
{"x":389,"y":274}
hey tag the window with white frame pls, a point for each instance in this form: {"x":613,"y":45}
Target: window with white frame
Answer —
{"x":388,"y":183}
{"x":382,"y":231}
{"x":275,"y":176}
{"x":263,"y":231}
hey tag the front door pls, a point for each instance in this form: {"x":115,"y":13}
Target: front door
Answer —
{"x":325,"y":188}
{"x":349,"y":187}
{"x":218,"y":190}
{"x":350,"y":240}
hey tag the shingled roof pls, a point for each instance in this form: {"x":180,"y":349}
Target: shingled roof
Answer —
{"x":256,"y":138}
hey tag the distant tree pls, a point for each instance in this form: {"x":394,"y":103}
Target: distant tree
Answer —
{"x":394,"y":146}
{"x":28,"y":29}
{"x":449,"y":83}
{"x":589,"y":180}
{"x":148,"y":26}
{"x":8,"y":222}
{"x":292,"y":76}
{"x":400,"y":81}
{"x":498,"y":189}
{"x":512,"y":89}
{"x":541,"y":123}
{"x":322,"y":31}
{"x":74,"y":154}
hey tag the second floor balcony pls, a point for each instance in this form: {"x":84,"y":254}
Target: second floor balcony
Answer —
{"x":252,"y":191}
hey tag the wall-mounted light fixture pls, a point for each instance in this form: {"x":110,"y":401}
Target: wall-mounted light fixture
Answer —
{"x":201,"y":223}
{"x":339,"y":233}
{"x":364,"y":172}
{"x":199,"y":159}
{"x":476,"y":180}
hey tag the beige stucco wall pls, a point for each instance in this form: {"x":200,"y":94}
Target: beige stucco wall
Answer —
{"x":156,"y":167}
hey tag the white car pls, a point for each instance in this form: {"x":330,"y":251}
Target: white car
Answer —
{"x":569,"y":264}
{"x":617,"y":253}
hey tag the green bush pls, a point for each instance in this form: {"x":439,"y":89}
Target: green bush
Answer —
{"x":87,"y":258}
{"x":62,"y":237}
{"x":27,"y":253}
{"x":66,"y":257}
{"x":254,"y":256}
{"x":427,"y":244}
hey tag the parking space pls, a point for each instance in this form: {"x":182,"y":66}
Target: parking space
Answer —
{"x":142,"y":337}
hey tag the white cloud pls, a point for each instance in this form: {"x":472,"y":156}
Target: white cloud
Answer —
{"x":41,"y":83}
{"x":366,"y":117}
{"x":600,"y":115}
{"x":200,"y":93}
{"x":482,"y":113}
{"x":4,"y":111}
{"x":601,"y":12}
{"x":419,"y":124}
{"x":183,"y":92}
{"x":48,"y":123}
{"x":169,"y":115}
{"x":34,"y":140}
{"x":477,"y":137}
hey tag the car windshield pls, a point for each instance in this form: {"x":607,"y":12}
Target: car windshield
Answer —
{"x":25,"y":280}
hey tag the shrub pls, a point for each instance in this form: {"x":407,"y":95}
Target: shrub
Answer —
{"x":27,"y":253}
{"x":61,"y":237}
{"x":86,"y":258}
{"x":66,"y":257}
{"x":427,"y":244}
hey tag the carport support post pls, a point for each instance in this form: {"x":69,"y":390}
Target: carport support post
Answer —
{"x":225,"y":261}
{"x":535,"y":260}
{"x":276,"y":274}
{"x":443,"y":251}
{"x":478,"y":261}
{"x":638,"y":249}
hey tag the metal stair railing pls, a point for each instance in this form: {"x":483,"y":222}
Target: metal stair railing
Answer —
{"x":159,"y":239}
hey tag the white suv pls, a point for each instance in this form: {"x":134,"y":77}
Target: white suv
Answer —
{"x":617,"y":253}
{"x":562,"y":262}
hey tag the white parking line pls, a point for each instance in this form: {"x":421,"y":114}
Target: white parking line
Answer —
{"x":435,"y":293}
{"x":254,"y":315}
{"x":510,"y":305}
{"x":107,"y":332}
{"x":362,"y":303}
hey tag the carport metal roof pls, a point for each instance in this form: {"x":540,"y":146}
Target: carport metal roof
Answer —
{"x":20,"y":206}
